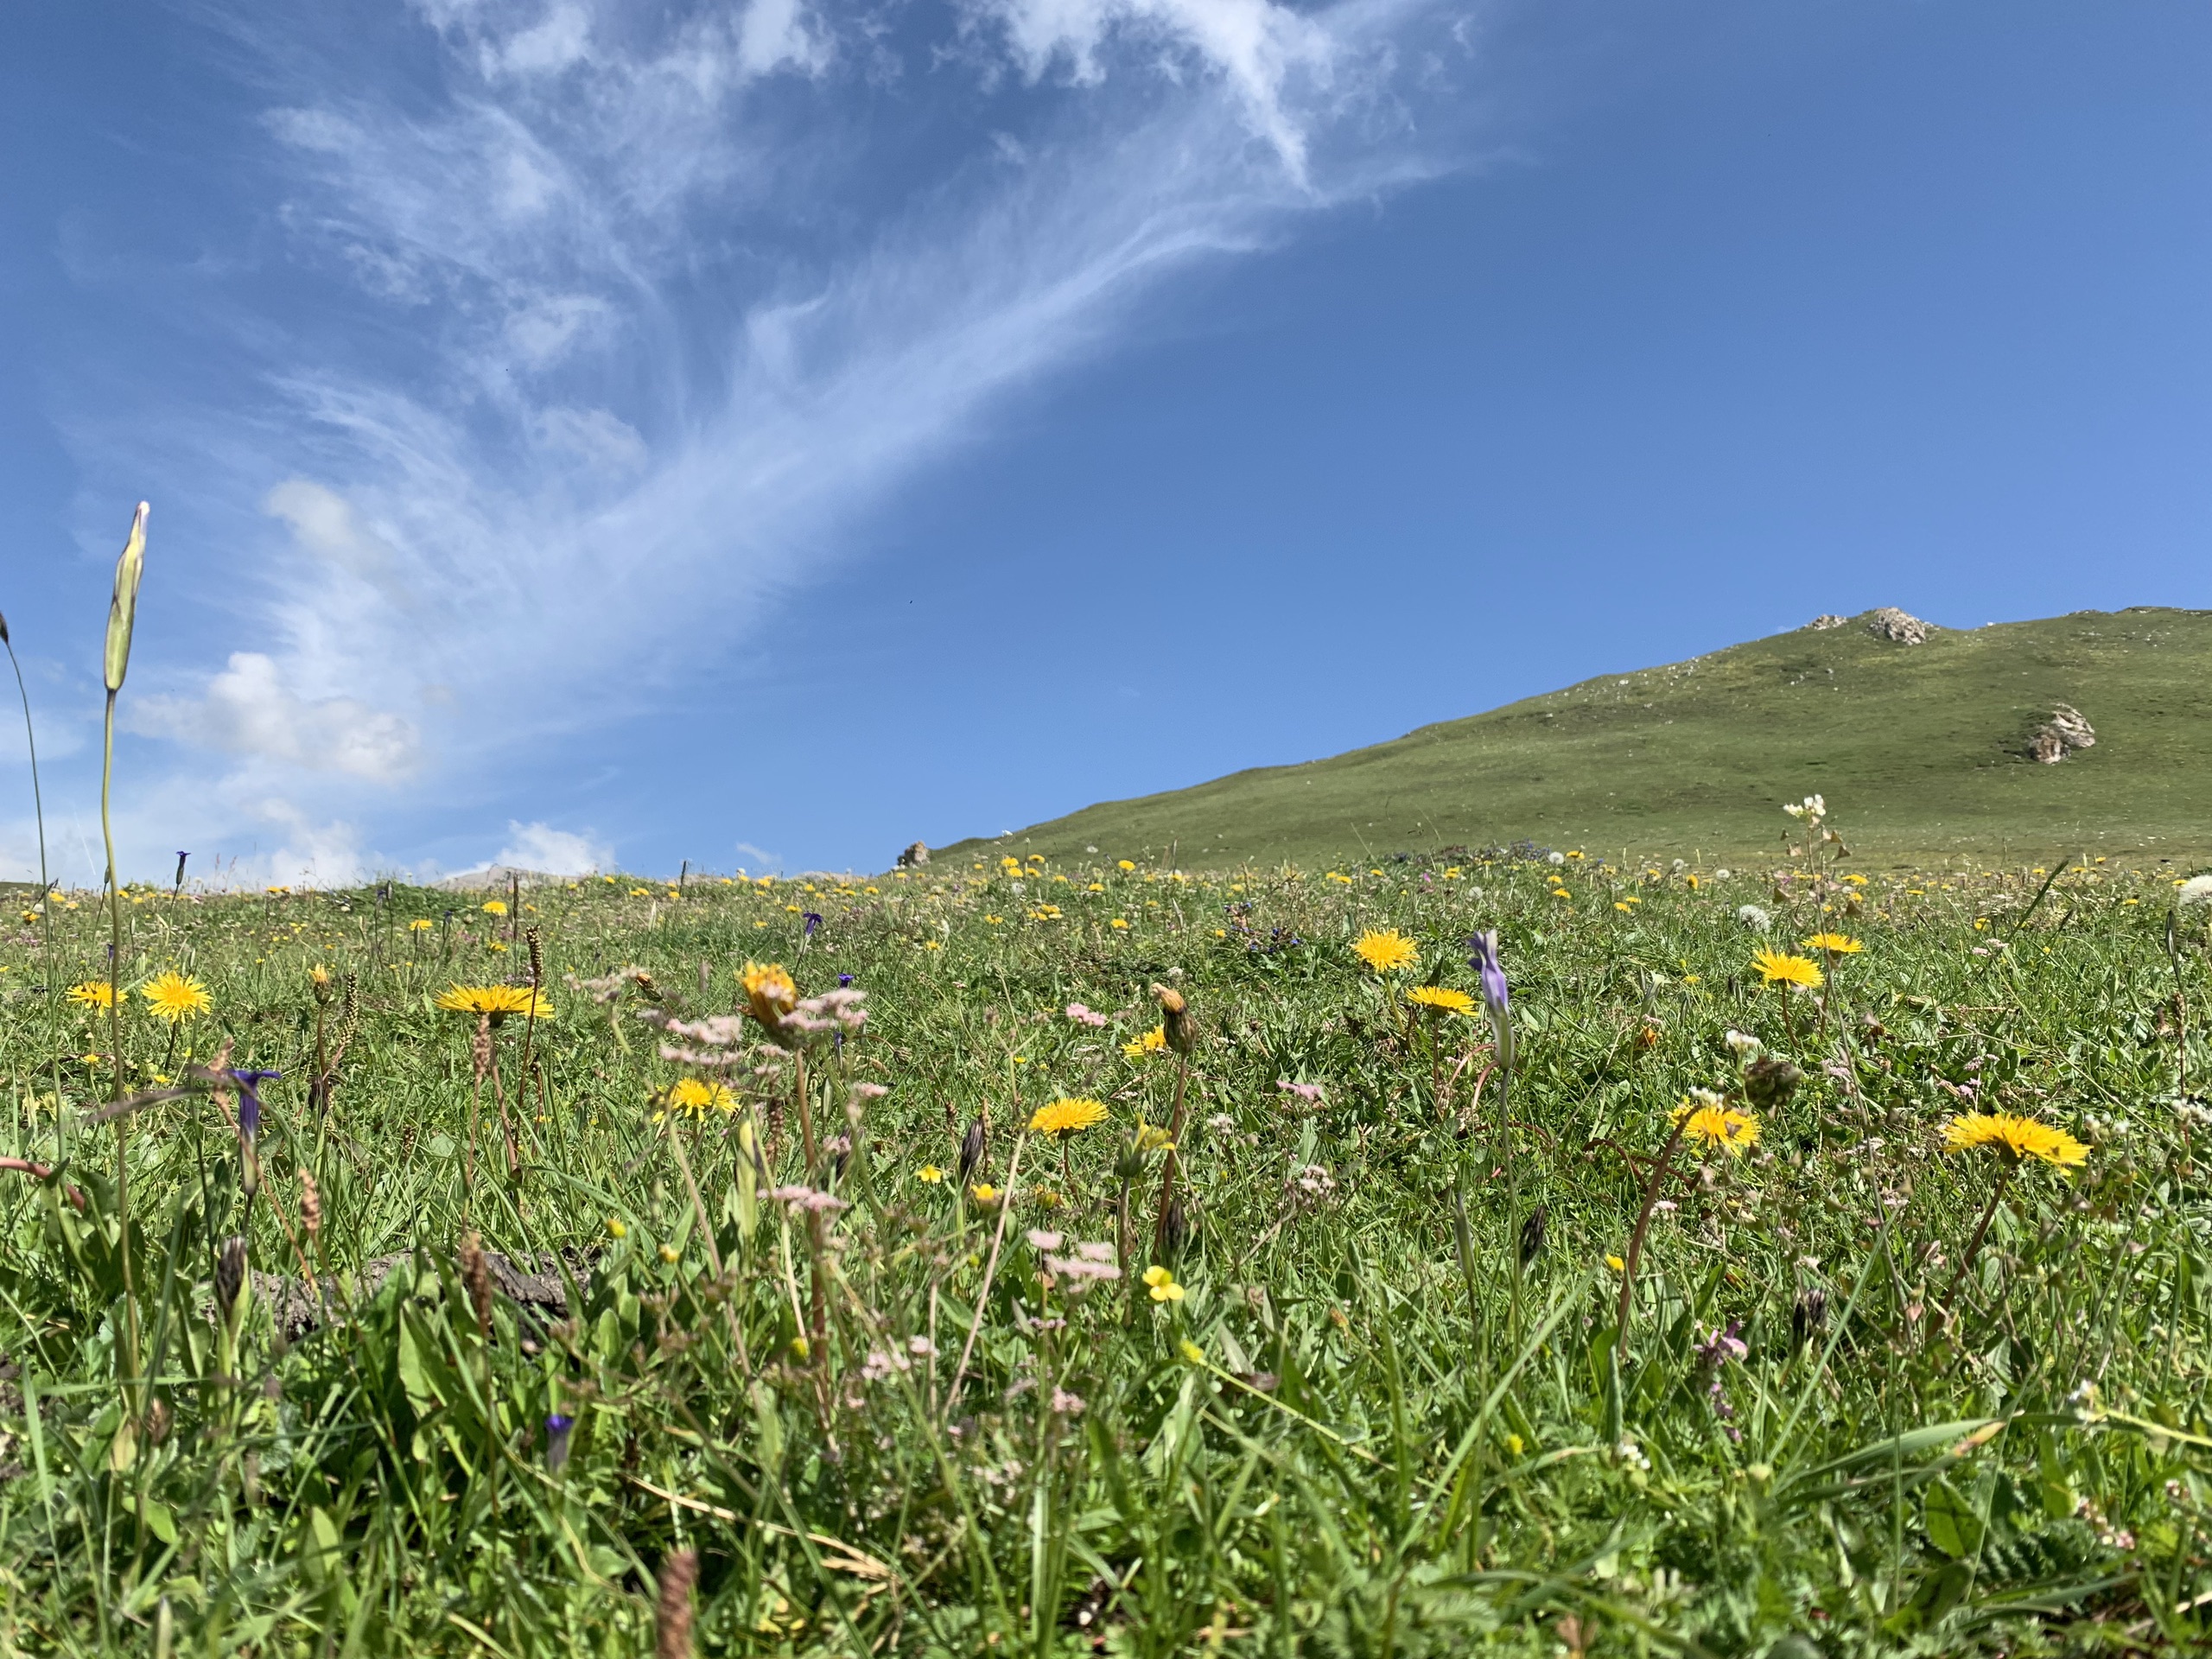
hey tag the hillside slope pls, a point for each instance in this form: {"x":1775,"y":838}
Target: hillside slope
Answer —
{"x":1920,"y":749}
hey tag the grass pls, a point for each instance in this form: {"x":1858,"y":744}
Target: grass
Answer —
{"x":1392,"y":1409}
{"x":1926,"y":741}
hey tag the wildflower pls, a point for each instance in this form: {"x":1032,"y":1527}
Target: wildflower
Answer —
{"x":1747,"y":1047}
{"x":1753,"y":917}
{"x":1151,"y":1043}
{"x":1562,"y":893}
{"x":1616,"y":1264}
{"x":809,"y":919}
{"x":1041,"y":1239}
{"x":807,"y":1198}
{"x":2197,"y":890}
{"x":1083,"y":1016}
{"x":1836,"y":944}
{"x":2014,"y":1137}
{"x":1811,"y":806}
{"x":1308,"y":1092}
{"x":1441,"y":999}
{"x":1117,"y":923}
{"x":928,"y":1174}
{"x":1733,"y":1131}
{"x":495,"y":1002}
{"x":984,"y":1193}
{"x":557,"y":1430}
{"x":92,"y":994}
{"x":1720,"y":1347}
{"x":1045,"y":913}
{"x":1065,"y":1404}
{"x":615,"y":1229}
{"x":495,"y":908}
{"x":1161,"y":1283}
{"x":1191,"y":1351}
{"x":421,"y":925}
{"x":1065,"y":1117}
{"x":769,"y":994}
{"x":1177,"y":1028}
{"x":175,"y":997}
{"x":697,"y":1099}
{"x":1780,"y":968}
{"x":1385,"y":951}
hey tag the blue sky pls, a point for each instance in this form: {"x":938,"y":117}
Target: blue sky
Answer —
{"x":766,"y":434}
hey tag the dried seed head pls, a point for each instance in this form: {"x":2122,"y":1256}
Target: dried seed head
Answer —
{"x":1176,"y":1024}
{"x":1532,"y":1235}
{"x":310,"y":1204}
{"x":1808,"y":1318}
{"x":157,"y":1421}
{"x":479,"y":1047}
{"x":1769,"y":1082}
{"x":230,"y":1275}
{"x":476,"y":1274}
{"x":537,"y":956}
{"x":971,"y":1150}
{"x":1174,"y":1228}
{"x":679,"y":1571}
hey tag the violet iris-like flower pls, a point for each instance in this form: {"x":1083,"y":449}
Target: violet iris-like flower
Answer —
{"x":813,"y":919}
{"x":1484,"y":961}
{"x":557,"y":1428}
{"x":250,"y":1101}
{"x":1496,"y":1000}
{"x":844,"y":979}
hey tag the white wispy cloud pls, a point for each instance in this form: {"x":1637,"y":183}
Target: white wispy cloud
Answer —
{"x":643,"y":310}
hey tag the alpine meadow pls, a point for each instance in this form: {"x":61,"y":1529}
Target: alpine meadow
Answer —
{"x":1517,"y":1249}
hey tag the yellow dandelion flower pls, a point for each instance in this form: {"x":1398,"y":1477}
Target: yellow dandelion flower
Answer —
{"x":496,"y":1002}
{"x":1162,"y":1285}
{"x":92,"y":994}
{"x":421,"y":925}
{"x":1045,"y":913}
{"x":1064,"y":1117}
{"x":1385,"y":951}
{"x":1151,"y":1043}
{"x":769,"y":993}
{"x":984,"y":1193}
{"x":1780,"y":968}
{"x":1117,"y":922}
{"x":174,"y":997}
{"x":1836,"y":944}
{"x":697,"y":1099}
{"x":1441,"y":999}
{"x":1617,"y":1264}
{"x":495,"y":907}
{"x":928,"y":1174}
{"x":1124,"y":866}
{"x":1735,"y":1133}
{"x":2014,"y":1137}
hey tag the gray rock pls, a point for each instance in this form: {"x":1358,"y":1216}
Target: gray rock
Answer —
{"x":2059,"y":736}
{"x":1890,"y":623}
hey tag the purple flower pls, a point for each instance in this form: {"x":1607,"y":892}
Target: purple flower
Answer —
{"x":1485,"y":962}
{"x":557,"y":1428}
{"x":844,"y":979}
{"x":813,"y":919}
{"x":250,"y":1101}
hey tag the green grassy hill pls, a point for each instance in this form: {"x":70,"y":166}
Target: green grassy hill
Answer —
{"x":1920,"y":750}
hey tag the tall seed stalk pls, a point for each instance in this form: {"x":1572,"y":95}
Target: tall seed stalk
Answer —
{"x":38,"y":809}
{"x":121,"y":614}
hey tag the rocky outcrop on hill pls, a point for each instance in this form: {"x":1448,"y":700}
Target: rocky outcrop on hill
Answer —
{"x":1890,"y":623}
{"x":2059,"y":736}
{"x":1822,"y":624}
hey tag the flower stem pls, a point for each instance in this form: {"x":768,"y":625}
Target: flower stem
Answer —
{"x":1982,"y":1227}
{"x":1636,"y":1240}
{"x":114,"y":1039}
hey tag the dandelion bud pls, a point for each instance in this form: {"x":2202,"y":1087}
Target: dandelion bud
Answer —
{"x":230,"y":1275}
{"x":1532,"y":1235}
{"x":319,"y":983}
{"x":1769,"y":1082}
{"x":1174,"y":1228}
{"x":679,"y":1571}
{"x":476,"y":1274}
{"x":1176,"y":1024}
{"x":1808,"y":1318}
{"x":971,"y":1150}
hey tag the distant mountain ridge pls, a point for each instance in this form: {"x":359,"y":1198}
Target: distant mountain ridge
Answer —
{"x":1927,"y":742}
